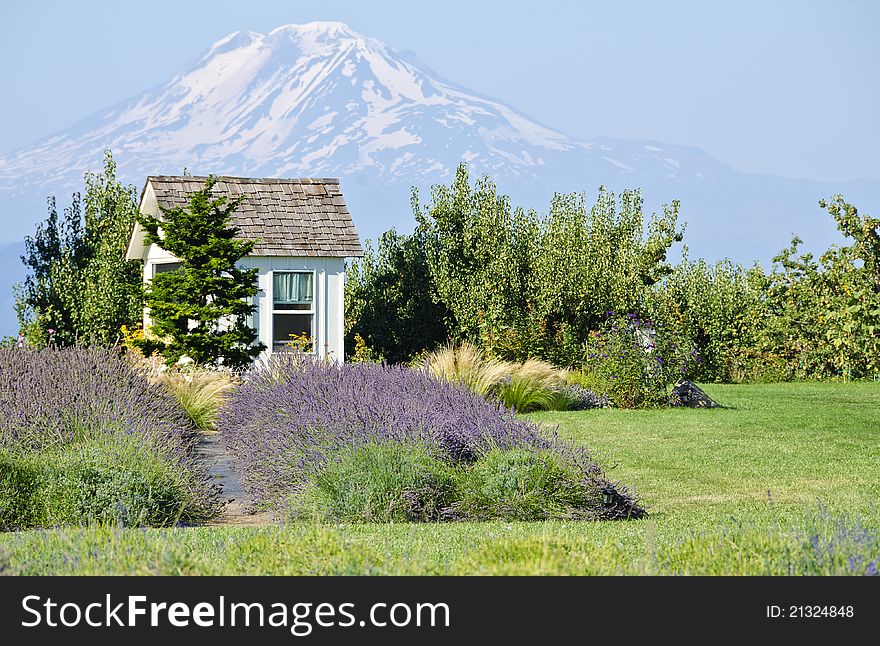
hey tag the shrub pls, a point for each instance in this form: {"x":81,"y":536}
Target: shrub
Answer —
{"x":718,"y":309}
{"x":84,"y":436}
{"x":522,"y":484}
{"x":380,"y":482}
{"x":110,"y":478}
{"x":293,"y":418}
{"x":389,"y":301}
{"x":634,"y":364}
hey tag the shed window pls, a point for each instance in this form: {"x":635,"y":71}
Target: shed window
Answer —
{"x":162,"y":267}
{"x":293,"y":309}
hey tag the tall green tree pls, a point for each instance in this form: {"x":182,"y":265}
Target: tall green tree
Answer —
{"x":519,"y":284}
{"x":390,"y":300}
{"x":112,"y":287}
{"x":827,"y":311}
{"x":79,"y":287}
{"x":200,"y":310}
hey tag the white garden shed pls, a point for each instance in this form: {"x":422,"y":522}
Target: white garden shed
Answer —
{"x":303,"y":234}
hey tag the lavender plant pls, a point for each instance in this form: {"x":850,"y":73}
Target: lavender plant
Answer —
{"x":292,"y":418}
{"x":84,"y":436}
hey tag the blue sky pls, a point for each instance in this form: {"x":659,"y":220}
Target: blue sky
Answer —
{"x":790,"y":88}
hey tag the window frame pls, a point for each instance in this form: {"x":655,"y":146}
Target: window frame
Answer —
{"x":159,"y":263}
{"x":312,"y":311}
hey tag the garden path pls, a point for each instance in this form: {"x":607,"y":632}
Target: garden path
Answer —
{"x":237,"y":500}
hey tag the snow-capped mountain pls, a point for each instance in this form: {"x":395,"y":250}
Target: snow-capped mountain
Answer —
{"x":322,"y":100}
{"x":315,"y":99}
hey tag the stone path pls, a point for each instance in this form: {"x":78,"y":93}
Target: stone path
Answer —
{"x":237,"y":500}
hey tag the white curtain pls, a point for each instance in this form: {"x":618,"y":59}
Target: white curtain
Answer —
{"x":290,"y":288}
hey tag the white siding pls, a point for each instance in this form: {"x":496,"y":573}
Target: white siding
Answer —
{"x":328,"y":293}
{"x":328,"y":286}
{"x":328,"y":289}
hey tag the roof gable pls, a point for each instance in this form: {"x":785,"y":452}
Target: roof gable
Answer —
{"x":284,"y":217}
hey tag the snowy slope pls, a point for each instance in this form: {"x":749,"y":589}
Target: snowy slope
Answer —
{"x":314,"y":99}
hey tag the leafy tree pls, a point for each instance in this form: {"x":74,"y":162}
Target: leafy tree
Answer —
{"x":199,"y":311}
{"x":719,"y":309}
{"x":520,"y":285}
{"x":79,"y":286}
{"x":112,"y":287}
{"x":480,"y":254}
{"x":827,"y":311}
{"x":594,"y":259}
{"x":390,"y":303}
{"x":47,"y":303}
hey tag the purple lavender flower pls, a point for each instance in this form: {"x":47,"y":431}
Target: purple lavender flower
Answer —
{"x":292,"y":416}
{"x":55,"y":397}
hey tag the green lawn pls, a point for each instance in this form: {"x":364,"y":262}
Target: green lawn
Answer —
{"x":705,"y":475}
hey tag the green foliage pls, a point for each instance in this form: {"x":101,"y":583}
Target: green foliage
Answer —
{"x":594,"y":259}
{"x":480,"y":254}
{"x":517,"y":285}
{"x":200,"y":310}
{"x":394,"y":482}
{"x":387,"y":482}
{"x":110,"y":478}
{"x":825,"y":313}
{"x":527,"y":393}
{"x":514,"y":283}
{"x":524,"y":485}
{"x":79,"y":286}
{"x":633,"y":363}
{"x":390,"y":301}
{"x":718,"y":309}
{"x":807,"y":318}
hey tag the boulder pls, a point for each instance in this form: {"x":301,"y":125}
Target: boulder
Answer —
{"x":582,"y":399}
{"x":687,"y":393}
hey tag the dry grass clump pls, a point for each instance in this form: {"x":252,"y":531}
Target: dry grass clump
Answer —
{"x":200,"y":391}
{"x":466,"y":365}
{"x":529,"y":386}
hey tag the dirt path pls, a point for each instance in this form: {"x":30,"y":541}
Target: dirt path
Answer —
{"x":212,"y":452}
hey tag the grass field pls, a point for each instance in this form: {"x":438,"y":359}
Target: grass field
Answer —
{"x":784,"y":479}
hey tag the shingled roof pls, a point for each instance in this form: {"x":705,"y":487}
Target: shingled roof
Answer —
{"x":285,"y":217}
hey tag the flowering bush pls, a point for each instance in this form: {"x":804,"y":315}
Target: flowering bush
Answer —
{"x":293,"y":418}
{"x":84,"y":436}
{"x":633,"y":364}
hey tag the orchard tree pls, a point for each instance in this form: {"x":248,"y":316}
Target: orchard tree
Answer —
{"x":79,"y":287}
{"x":200,"y":310}
{"x":390,"y":301}
{"x":521,"y":285}
{"x":112,"y":287}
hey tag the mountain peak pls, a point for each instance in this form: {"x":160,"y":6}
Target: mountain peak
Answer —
{"x":235,"y":40}
{"x":331,"y":28}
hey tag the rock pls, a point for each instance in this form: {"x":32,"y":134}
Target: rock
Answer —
{"x":687,"y":393}
{"x":583,"y":399}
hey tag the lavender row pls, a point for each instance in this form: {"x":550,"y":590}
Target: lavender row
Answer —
{"x":292,"y":416}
